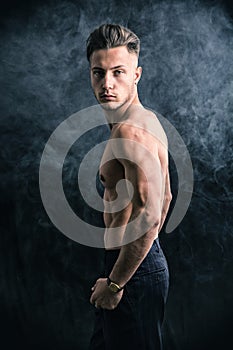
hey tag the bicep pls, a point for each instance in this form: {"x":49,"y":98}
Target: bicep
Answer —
{"x":142,"y":169}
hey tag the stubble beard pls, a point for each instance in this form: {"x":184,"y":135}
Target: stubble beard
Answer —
{"x":112,"y":106}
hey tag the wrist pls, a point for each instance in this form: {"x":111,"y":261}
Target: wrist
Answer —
{"x":114,"y":286}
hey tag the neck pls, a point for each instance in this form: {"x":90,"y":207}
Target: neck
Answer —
{"x":118,"y":115}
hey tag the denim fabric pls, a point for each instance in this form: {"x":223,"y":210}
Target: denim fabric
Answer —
{"x":136,"y":322}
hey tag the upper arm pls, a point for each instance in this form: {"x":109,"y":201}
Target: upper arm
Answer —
{"x":137,"y":151}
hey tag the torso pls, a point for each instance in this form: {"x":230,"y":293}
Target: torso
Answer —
{"x":111,"y":171}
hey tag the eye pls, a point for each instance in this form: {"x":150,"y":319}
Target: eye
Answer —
{"x":98,"y":74}
{"x":118,"y":72}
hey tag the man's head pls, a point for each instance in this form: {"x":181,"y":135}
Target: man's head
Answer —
{"x":108,"y":36}
{"x":112,"y":51}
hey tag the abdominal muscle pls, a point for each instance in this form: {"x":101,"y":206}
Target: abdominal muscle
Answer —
{"x":116,"y":218}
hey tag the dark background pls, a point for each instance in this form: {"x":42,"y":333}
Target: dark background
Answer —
{"x":45,"y":278}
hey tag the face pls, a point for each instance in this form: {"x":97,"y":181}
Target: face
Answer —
{"x":113,"y":76}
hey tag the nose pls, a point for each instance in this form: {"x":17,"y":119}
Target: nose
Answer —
{"x":107,"y":81}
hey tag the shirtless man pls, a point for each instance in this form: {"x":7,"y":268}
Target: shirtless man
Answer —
{"x":131,"y":297}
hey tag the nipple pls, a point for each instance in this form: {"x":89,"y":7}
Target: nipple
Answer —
{"x":102,"y":178}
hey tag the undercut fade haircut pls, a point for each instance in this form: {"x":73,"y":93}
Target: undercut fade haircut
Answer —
{"x":108,"y":36}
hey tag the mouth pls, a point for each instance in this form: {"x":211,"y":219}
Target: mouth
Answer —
{"x":107,"y":97}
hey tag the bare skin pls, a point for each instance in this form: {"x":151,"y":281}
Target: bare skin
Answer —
{"x":139,"y":156}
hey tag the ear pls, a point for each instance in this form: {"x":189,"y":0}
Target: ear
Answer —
{"x":138,"y":73}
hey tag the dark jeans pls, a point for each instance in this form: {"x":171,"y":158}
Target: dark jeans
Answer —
{"x":136,"y":322}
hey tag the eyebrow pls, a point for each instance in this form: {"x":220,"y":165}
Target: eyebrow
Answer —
{"x":120,"y":66}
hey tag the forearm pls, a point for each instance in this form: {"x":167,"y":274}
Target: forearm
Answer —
{"x":138,"y":237}
{"x":166,"y":203}
{"x":130,"y":257}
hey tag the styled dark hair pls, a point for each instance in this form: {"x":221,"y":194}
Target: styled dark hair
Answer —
{"x":108,"y":36}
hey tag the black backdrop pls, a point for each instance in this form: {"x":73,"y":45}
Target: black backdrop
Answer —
{"x":186,"y":54}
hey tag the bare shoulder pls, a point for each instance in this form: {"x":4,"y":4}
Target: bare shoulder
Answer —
{"x":154,"y":126}
{"x":146,"y":128}
{"x":141,"y":124}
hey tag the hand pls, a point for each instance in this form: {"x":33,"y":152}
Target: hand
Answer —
{"x":103,"y":297}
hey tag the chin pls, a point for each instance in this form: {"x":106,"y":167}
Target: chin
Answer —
{"x":111,"y":106}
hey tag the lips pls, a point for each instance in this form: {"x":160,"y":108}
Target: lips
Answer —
{"x":107,"y":97}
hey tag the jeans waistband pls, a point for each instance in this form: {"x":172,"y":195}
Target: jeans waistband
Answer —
{"x":154,"y":257}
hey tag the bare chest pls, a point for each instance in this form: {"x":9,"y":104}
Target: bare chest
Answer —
{"x":110,"y":170}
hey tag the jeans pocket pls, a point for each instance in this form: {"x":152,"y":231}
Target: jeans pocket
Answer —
{"x":140,"y":287}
